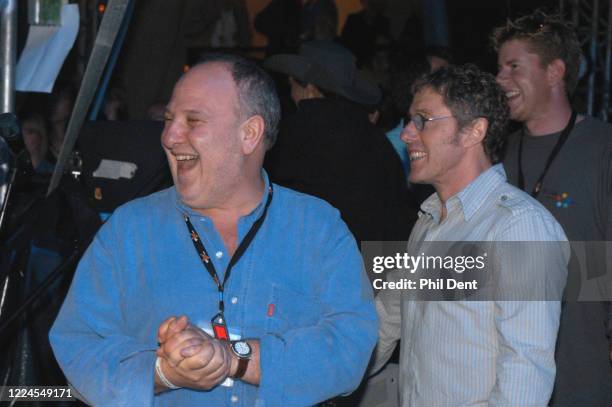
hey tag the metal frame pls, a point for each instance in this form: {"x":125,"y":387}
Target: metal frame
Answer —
{"x":593,"y":21}
{"x":8,"y":51}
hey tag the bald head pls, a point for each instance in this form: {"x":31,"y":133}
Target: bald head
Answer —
{"x":256,"y":93}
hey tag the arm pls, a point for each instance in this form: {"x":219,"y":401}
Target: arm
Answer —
{"x":308,"y":364}
{"x":388,"y":308}
{"x":527,"y":325}
{"x":98,"y":353}
{"x":527,"y":332}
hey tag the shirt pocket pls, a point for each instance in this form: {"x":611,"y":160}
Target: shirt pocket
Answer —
{"x":289,"y":309}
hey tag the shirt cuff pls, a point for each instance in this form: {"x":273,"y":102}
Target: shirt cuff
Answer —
{"x":271,"y":391}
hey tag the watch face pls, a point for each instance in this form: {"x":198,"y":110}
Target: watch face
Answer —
{"x":242,"y":349}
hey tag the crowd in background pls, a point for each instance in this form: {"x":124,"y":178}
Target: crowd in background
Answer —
{"x":339,"y":137}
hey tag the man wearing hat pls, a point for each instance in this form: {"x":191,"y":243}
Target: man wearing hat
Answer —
{"x":329,"y":149}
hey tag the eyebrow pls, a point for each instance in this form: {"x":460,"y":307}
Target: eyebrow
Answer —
{"x":195,"y":112}
{"x":189,"y":112}
{"x":511,"y":61}
{"x":421,"y":110}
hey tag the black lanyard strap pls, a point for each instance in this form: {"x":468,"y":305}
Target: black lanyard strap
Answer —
{"x":553,"y":154}
{"x":242,"y":247}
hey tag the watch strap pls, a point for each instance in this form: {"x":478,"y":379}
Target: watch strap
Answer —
{"x":243,"y":364}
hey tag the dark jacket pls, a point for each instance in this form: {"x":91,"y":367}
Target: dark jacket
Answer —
{"x":329,"y":149}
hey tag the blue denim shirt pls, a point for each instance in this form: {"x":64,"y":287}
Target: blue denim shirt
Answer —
{"x":300,"y":288}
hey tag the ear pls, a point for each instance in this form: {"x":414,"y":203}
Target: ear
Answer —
{"x":252,"y":134}
{"x":312,"y":92}
{"x":475,"y":132}
{"x":374,"y":117}
{"x":555,"y":72}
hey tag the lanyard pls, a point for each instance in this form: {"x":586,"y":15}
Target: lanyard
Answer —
{"x":553,"y":154}
{"x":218,"y":320}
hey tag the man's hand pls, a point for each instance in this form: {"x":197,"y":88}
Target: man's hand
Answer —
{"x":170,"y":327}
{"x":190,"y":357}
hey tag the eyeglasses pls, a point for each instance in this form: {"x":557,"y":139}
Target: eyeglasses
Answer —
{"x":419,"y":120}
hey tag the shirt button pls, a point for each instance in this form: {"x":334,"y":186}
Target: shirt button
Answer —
{"x":219,"y":254}
{"x":234,"y":398}
{"x":504,"y":197}
{"x":234,"y":300}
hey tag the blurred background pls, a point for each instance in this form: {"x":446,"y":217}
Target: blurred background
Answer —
{"x":46,"y":224}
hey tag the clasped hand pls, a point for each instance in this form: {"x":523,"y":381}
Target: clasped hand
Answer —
{"x":190,"y":357}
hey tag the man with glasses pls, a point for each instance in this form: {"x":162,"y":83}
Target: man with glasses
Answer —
{"x":462,"y":352}
{"x":564,"y":160}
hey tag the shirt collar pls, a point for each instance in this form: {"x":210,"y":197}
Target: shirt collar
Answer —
{"x":471,"y":198}
{"x":255,"y":213}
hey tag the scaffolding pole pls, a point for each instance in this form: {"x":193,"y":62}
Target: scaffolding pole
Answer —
{"x":8,"y":51}
{"x":593,"y":24}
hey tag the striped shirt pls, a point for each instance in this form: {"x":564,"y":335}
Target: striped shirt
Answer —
{"x":478,"y":353}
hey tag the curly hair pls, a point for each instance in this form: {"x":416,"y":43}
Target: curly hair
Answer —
{"x":548,"y":36}
{"x":471,"y":93}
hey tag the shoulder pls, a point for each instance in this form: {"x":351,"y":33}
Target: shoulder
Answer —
{"x":593,"y":132}
{"x":309,"y":216}
{"x":518,"y":202}
{"x":592,"y":145}
{"x":144,"y":209}
{"x":310,"y":223}
{"x":297,"y":204}
{"x":526,"y":216}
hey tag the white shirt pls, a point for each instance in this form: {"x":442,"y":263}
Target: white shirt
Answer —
{"x":479,"y":353}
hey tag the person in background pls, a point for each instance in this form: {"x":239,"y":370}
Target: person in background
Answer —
{"x":364,"y":30}
{"x":156,"y":111}
{"x":564,"y":160}
{"x":330,"y":149}
{"x":61,"y":103}
{"x":286,"y":24}
{"x":34,"y":130}
{"x":438,"y":57}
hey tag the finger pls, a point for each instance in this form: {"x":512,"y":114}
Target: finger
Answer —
{"x":206,"y":377}
{"x":174,"y":355}
{"x":222,"y":370}
{"x":190,"y":351}
{"x":217,"y":359}
{"x":185,"y":348}
{"x":200,"y":360}
{"x":178,"y":325}
{"x":181,"y":323}
{"x":196,"y":329}
{"x":217,"y":369}
{"x":175,"y":341}
{"x":162,"y":331}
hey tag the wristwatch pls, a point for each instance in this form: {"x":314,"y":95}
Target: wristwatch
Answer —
{"x":243,"y":352}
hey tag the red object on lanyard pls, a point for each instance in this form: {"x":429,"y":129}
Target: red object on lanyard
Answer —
{"x":220,"y":328}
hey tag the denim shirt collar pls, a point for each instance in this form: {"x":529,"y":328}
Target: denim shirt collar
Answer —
{"x":250,"y":218}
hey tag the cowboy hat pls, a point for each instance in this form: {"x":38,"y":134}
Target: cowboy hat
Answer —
{"x":328,"y":66}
